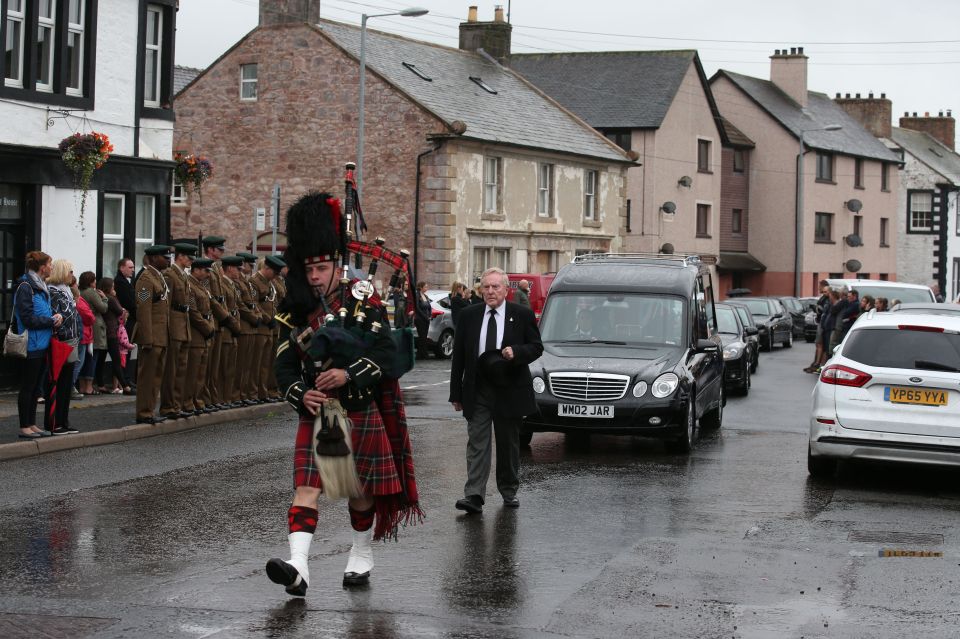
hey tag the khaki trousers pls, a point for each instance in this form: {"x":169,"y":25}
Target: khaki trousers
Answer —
{"x":228,"y":369}
{"x":211,"y":387}
{"x":265,"y":348}
{"x":245,"y":347}
{"x":150,"y":365}
{"x":253,"y":382}
{"x":196,"y":373}
{"x":174,"y":377}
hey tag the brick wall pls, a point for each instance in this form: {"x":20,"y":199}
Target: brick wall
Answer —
{"x":299,"y":133}
{"x":875,"y":114}
{"x":734,"y":194}
{"x":943,"y":128}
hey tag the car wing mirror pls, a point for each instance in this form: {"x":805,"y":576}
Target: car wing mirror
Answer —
{"x":750,"y":330}
{"x":707,"y":346}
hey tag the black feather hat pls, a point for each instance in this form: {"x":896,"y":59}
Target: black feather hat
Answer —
{"x":313,"y":235}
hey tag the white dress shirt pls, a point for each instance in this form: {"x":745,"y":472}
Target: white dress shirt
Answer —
{"x":501,"y":315}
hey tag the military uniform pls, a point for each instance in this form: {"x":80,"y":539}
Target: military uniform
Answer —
{"x":172,"y":399}
{"x":266,"y":304}
{"x":153,"y":317}
{"x":212,"y":392}
{"x":249,"y":322}
{"x":203,"y":329}
{"x":228,"y":342}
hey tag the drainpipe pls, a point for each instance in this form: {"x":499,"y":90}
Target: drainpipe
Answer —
{"x":416,"y":213}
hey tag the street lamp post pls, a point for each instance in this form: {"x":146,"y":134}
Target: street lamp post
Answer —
{"x":798,"y":252}
{"x":412,"y":12}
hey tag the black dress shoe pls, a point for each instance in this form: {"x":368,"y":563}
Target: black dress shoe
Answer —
{"x":511,"y":502}
{"x":250,"y":402}
{"x":172,"y":415}
{"x":184,"y":414}
{"x":352,"y":579}
{"x":472,"y":504}
{"x":236,"y":404}
{"x":280,"y":572}
{"x":151,"y":420}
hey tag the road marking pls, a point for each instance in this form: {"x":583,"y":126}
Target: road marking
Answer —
{"x":425,"y":385}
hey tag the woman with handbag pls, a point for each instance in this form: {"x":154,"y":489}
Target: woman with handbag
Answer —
{"x":68,"y":333}
{"x":33,"y":314}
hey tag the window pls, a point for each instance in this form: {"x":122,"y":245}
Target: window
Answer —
{"x":113,"y":214}
{"x":491,"y":185}
{"x":483,"y":85}
{"x":590,"y":195}
{"x":75,"y":42}
{"x":884,"y":177}
{"x":145,"y":226}
{"x":884,"y":239}
{"x":501,"y":258}
{"x":620,"y":137}
{"x":736,"y":221}
{"x":738,"y":161}
{"x":178,"y":195}
{"x":825,"y":166}
{"x":545,"y":190}
{"x":13,"y":49}
{"x":416,"y":71}
{"x":920,"y":214}
{"x":824,"y":228}
{"x":858,"y":173}
{"x":703,"y":220}
{"x":248,"y":81}
{"x":858,"y":226}
{"x":884,"y":277}
{"x":703,"y":156}
{"x":46,"y":29}
{"x":481,"y":260}
{"x":153,"y":55}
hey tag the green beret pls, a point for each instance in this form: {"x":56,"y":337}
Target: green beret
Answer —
{"x":248,"y":257}
{"x":275,"y":262}
{"x":213,"y":240}
{"x":158,"y":249}
{"x":232,"y":260}
{"x":182,"y":248}
{"x":202,"y":262}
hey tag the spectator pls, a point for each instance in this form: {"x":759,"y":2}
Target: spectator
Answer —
{"x":828,"y":322}
{"x":882,"y":305}
{"x":475,"y":296}
{"x":112,"y":322}
{"x":422,"y":317}
{"x":846,"y":312}
{"x":124,"y":285}
{"x":866,"y":304}
{"x":458,"y":301}
{"x":522,"y":295}
{"x":84,"y":351}
{"x":936,"y":293}
{"x":126,"y":346}
{"x":399,"y":298}
{"x":895,"y":302}
{"x":98,"y":304}
{"x":69,"y":331}
{"x":823,"y":303}
{"x":32,"y":311}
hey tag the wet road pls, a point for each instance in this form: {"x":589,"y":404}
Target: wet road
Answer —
{"x":167,"y":537}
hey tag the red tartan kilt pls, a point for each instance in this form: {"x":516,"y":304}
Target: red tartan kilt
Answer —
{"x":376,"y":457}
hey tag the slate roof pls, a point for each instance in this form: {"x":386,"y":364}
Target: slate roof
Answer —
{"x":182,"y":76}
{"x":518,"y":114}
{"x":735,"y":136}
{"x":820,"y":111}
{"x":609,"y":89}
{"x":930,"y":151}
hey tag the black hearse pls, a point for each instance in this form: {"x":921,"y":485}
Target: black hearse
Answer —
{"x":630,"y":347}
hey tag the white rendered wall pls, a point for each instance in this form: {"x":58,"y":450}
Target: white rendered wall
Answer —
{"x":61,"y":236}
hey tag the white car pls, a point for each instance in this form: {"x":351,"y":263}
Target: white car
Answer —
{"x":890,"y":392}
{"x":882,"y":288}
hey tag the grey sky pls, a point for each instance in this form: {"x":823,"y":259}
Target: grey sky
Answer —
{"x":854,"y":45}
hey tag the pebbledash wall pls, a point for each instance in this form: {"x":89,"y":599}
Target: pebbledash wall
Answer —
{"x":301,"y":129}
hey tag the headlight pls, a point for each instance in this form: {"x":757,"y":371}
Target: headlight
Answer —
{"x":665,"y":385}
{"x":731,"y":352}
{"x":538,"y":385}
{"x":640,"y":389}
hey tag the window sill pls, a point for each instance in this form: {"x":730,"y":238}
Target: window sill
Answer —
{"x":884,"y":246}
{"x":157,"y":113}
{"x":705,"y":237}
{"x":884,"y":190}
{"x":825,"y":181}
{"x":707,"y":171}
{"x":859,"y":188}
{"x":543,"y":219}
{"x":595,"y":224}
{"x":493,"y":217}
{"x":824,"y":242}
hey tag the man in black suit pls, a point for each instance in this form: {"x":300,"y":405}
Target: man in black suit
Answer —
{"x":123,"y":284}
{"x":490,"y":382}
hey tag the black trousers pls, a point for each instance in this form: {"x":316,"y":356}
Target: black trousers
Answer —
{"x":423,"y":327}
{"x":113,"y":348}
{"x":33,"y":370}
{"x":57,"y":408}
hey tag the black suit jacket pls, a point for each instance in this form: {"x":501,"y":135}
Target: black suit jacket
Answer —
{"x":515,"y":396}
{"x":126,"y":296}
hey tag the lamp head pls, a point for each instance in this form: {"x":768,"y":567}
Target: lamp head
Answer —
{"x":414,"y":12}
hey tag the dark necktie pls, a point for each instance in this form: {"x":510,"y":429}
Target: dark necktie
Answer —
{"x":491,"y":344}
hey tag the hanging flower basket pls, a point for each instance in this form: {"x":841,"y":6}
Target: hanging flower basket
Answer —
{"x":192,"y":171}
{"x":84,"y":153}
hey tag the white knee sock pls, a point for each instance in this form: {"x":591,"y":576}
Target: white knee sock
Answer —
{"x":300,"y":552}
{"x":361,"y":554}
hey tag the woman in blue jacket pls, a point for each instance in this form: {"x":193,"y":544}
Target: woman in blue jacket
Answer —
{"x":32,"y":311}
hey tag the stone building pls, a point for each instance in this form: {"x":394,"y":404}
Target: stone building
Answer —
{"x":464,"y":163}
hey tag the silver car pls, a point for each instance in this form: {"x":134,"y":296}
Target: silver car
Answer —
{"x":440,"y":334}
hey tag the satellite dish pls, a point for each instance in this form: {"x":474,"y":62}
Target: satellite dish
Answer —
{"x":853,"y":266}
{"x":854,"y":205}
{"x":667,"y":249}
{"x":668,"y":207}
{"x":853,"y":240}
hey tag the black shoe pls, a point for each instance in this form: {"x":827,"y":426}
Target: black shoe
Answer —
{"x":511,"y":502}
{"x":209,"y":409}
{"x":356,"y":579}
{"x":472,"y":504}
{"x":173,"y":415}
{"x":184,"y":414}
{"x":250,"y":402}
{"x":151,"y":420}
{"x":236,"y":404}
{"x":280,"y":572}
{"x":223,"y":405}
{"x":63,"y":430}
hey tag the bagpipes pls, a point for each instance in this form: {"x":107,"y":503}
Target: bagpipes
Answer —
{"x":335,"y":343}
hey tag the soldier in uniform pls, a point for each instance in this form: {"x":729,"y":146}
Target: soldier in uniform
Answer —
{"x":178,"y":349}
{"x":153,"y":316}
{"x":248,"y":327}
{"x":229,"y":338}
{"x":247,"y":357}
{"x":212,"y":395}
{"x":262,"y":282}
{"x":202,"y":331}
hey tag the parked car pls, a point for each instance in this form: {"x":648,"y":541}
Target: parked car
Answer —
{"x":773,"y":321}
{"x":539,"y":287}
{"x":890,"y":392}
{"x":809,"y":318}
{"x":737,"y":348}
{"x":890,"y":290}
{"x":796,"y":310}
{"x":440,"y":333}
{"x":754,"y":336}
{"x":630,"y":347}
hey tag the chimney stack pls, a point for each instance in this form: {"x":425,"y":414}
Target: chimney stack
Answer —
{"x":273,"y":12}
{"x":493,"y":37}
{"x":788,"y":70}
{"x":876,"y":115}
{"x":942,"y":127}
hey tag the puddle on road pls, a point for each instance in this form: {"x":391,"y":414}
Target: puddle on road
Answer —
{"x":787,"y":618}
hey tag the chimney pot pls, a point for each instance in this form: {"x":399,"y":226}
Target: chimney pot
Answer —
{"x":498,"y":13}
{"x":800,"y":50}
{"x":870,"y":95}
{"x":838,"y":95}
{"x":493,"y":37}
{"x":848,"y":96}
{"x":776,"y":52}
{"x":883,"y":96}
{"x":793,"y":51}
{"x":940,"y":115}
{"x":906,"y":114}
{"x":914,"y":114}
{"x":858,"y":96}
{"x":949,"y":113}
{"x":472,"y":14}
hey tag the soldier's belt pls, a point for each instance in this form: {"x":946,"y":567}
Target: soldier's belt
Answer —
{"x":182,"y":308}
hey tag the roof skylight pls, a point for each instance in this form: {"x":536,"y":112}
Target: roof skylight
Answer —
{"x":483,"y":85}
{"x":420,"y":74}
